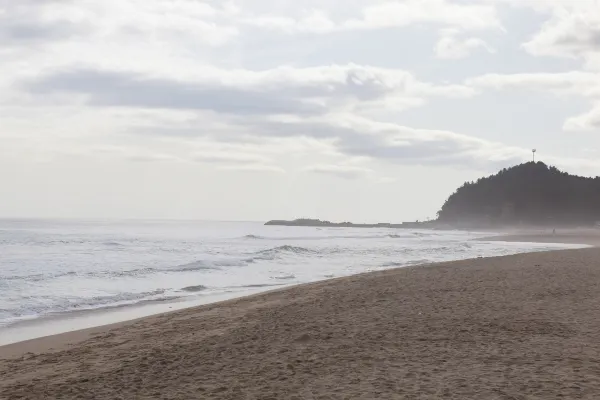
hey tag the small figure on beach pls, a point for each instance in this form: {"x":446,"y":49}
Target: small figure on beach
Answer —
{"x":554,"y":231}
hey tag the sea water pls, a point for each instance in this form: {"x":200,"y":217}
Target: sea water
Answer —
{"x":50,"y":267}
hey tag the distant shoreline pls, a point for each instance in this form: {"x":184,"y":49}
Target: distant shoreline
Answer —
{"x":542,"y":231}
{"x":28,"y":331}
{"x":329,"y":224}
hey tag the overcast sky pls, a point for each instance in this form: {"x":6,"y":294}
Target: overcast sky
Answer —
{"x":360,"y":110}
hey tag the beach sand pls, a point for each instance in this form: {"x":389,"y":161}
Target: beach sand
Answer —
{"x":516,"y":327}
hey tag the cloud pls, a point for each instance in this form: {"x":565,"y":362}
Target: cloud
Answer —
{"x":188,"y":23}
{"x":401,"y":13}
{"x":181,"y":19}
{"x":132,"y":90}
{"x":339,"y":136}
{"x":567,"y":36}
{"x":351,"y":136}
{"x":314,"y":22}
{"x":18,"y":31}
{"x":535,"y":81}
{"x":27,"y":22}
{"x":574,"y":83}
{"x":298,"y":91}
{"x":589,"y":121}
{"x":574,"y":34}
{"x":571,"y":31}
{"x":404,"y":145}
{"x":387,"y":14}
{"x":450,"y":46}
{"x":547,"y":7}
{"x":341,"y":171}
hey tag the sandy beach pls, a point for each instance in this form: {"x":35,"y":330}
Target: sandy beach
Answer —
{"x":516,"y":327}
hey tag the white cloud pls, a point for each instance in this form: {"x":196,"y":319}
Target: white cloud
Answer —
{"x":571,"y":31}
{"x":185,"y":24}
{"x":171,"y":20}
{"x":351,"y":136}
{"x":340,"y":136}
{"x":589,"y":121}
{"x":451,"y":46}
{"x":386,"y":14}
{"x":322,"y":103}
{"x":402,"y":13}
{"x":283,"y":90}
{"x":573,"y":82}
{"x":405,"y":145}
{"x":547,"y":6}
{"x":313,"y":22}
{"x":575,"y":35}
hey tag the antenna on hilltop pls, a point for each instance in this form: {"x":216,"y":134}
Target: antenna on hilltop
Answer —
{"x":533,"y":152}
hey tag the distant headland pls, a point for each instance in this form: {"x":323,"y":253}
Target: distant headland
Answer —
{"x":526,"y":195}
{"x":530,"y":194}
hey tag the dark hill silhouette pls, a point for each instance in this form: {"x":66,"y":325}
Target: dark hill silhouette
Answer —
{"x":531,"y":193}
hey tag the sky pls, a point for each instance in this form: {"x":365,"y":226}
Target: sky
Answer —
{"x":253,"y":110}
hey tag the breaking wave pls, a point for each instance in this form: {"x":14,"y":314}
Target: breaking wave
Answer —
{"x":405,"y":263}
{"x":254,"y":237}
{"x":201,"y":265}
{"x":193,"y":289}
{"x":284,"y":277}
{"x":412,"y":235}
{"x":137,"y":272}
{"x":258,"y":285}
{"x":277,"y":252}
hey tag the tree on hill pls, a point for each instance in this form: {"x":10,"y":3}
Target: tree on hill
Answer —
{"x":530,"y":193}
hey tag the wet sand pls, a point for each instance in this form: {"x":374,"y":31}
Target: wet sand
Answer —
{"x":571,"y":236}
{"x":516,"y":327}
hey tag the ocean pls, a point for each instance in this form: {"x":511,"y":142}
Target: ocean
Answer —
{"x":50,"y":267}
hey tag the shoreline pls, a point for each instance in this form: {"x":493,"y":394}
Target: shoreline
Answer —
{"x":63,"y":340}
{"x":521,"y":325}
{"x":51,"y":325}
{"x":588,"y":237}
{"x":76,"y":325}
{"x":93,"y":319}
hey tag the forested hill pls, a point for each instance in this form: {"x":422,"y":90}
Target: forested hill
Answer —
{"x":531,"y":193}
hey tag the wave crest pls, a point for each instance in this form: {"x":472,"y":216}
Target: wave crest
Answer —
{"x":193,"y":289}
{"x":254,"y":237}
{"x":275,"y":252}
